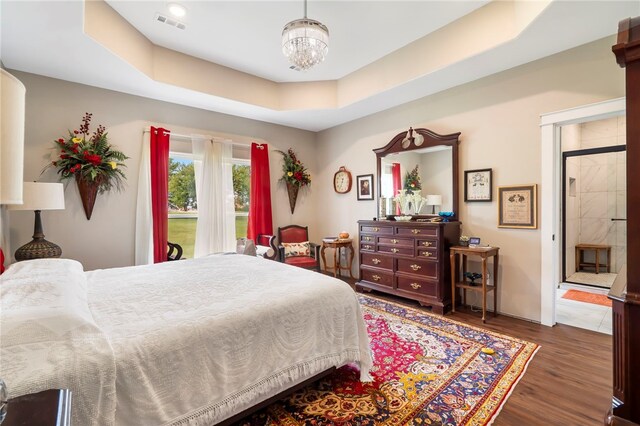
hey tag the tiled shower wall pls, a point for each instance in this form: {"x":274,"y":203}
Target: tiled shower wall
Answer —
{"x":603,"y":190}
{"x":571,"y":142}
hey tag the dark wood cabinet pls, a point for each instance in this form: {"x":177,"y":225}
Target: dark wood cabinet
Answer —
{"x":48,"y":408}
{"x":408,"y":259}
{"x":625,"y":293}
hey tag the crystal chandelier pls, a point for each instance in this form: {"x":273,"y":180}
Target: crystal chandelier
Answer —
{"x":305,"y":42}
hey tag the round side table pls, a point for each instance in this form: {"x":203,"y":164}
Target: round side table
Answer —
{"x":337,"y":246}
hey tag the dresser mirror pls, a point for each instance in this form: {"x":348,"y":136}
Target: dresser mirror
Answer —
{"x":431,"y":157}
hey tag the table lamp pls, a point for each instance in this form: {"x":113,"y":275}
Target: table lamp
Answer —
{"x":12,"y":107}
{"x":39,"y":196}
{"x":433,"y":201}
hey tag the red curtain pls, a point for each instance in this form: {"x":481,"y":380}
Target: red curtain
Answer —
{"x":160,"y":191}
{"x":397,"y":181}
{"x":260,"y":219}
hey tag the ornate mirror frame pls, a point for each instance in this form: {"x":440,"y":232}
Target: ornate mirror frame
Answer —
{"x":422,"y":138}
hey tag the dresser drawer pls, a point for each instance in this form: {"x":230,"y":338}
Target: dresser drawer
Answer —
{"x":367,"y":239}
{"x":414,"y":285}
{"x":428,"y":253}
{"x":427,"y":242}
{"x":382,"y":278}
{"x":402,"y":242}
{"x":405,"y":251}
{"x":417,"y":231}
{"x":377,"y":261}
{"x":387,"y":230}
{"x":367,"y":247}
{"x":424,"y":268}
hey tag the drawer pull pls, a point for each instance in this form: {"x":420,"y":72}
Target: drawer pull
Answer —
{"x":415,"y":286}
{"x":427,"y":253}
{"x":395,"y":250}
{"x":394,"y":241}
{"x":375,"y":277}
{"x":426,"y":243}
{"x":367,"y":238}
{"x":415,"y":231}
{"x":376,"y":229}
{"x":375,"y":261}
{"x":416,"y":267}
{"x":366,"y":247}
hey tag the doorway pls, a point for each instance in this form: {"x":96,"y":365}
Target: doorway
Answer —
{"x":550,"y":190}
{"x":593,"y":220}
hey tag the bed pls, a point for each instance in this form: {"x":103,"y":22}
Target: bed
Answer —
{"x":178,"y":343}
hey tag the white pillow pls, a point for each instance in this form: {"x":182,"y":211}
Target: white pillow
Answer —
{"x":297,"y":249}
{"x":48,"y":294}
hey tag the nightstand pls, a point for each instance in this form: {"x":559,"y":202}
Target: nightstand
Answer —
{"x":48,"y":408}
{"x":484,"y":288}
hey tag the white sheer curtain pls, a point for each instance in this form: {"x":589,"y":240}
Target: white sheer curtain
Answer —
{"x":144,"y":217}
{"x":216,"y":231}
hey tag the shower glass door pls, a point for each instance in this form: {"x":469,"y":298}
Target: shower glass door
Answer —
{"x":594,"y":215}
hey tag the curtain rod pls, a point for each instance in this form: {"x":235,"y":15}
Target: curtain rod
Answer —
{"x":188,"y":138}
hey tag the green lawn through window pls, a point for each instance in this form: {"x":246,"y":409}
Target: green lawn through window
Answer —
{"x":183,"y":231}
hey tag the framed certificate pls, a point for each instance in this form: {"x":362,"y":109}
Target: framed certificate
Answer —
{"x":477,"y":185}
{"x":517,"y":206}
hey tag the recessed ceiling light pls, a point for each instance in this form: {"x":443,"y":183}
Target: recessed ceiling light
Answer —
{"x":177,"y":10}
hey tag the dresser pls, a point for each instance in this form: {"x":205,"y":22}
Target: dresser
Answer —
{"x":408,"y":259}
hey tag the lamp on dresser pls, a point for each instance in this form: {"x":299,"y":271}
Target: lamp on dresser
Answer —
{"x":433,"y":201}
{"x":40,"y":196}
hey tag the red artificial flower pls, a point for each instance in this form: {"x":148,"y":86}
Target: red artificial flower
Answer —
{"x":75,"y":149}
{"x":75,"y":168}
{"x":92,"y":158}
{"x":64,"y":156}
{"x":75,"y":132}
{"x":297,"y":176}
{"x":60,"y":140}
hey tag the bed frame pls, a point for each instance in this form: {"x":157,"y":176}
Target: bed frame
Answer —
{"x":281,"y":395}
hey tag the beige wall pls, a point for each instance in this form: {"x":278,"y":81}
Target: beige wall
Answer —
{"x":107,"y":240}
{"x":499,"y":118}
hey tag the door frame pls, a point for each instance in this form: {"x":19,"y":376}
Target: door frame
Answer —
{"x":550,"y":193}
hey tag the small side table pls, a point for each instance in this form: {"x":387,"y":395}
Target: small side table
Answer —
{"x":48,"y":408}
{"x":581,"y":248}
{"x":337,"y":246}
{"x":484,"y":253}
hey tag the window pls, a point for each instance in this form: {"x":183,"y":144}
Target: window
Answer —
{"x":241,"y":185}
{"x":183,"y":204}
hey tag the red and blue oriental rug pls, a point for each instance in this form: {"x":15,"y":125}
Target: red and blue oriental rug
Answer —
{"x":429,"y":370}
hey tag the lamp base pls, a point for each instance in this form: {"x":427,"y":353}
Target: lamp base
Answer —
{"x":38,"y":248}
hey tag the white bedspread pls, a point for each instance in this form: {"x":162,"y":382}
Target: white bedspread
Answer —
{"x":48,"y":338}
{"x":196,"y":341}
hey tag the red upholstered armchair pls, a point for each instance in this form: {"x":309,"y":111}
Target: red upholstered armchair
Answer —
{"x":298,"y":234}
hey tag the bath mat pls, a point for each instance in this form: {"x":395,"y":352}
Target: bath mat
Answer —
{"x":429,"y":370}
{"x":583,"y":296}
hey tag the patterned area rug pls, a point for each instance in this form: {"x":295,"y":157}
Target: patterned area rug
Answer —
{"x":584,"y":296}
{"x":429,"y":370}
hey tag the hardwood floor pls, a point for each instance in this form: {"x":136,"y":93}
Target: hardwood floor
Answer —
{"x":568,"y":382}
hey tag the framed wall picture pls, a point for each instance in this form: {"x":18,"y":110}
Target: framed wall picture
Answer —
{"x":365,"y":187}
{"x":517,"y":206}
{"x":478,"y":185}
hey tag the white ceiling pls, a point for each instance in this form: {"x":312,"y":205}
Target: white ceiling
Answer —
{"x":47,"y":38}
{"x":246,"y":35}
